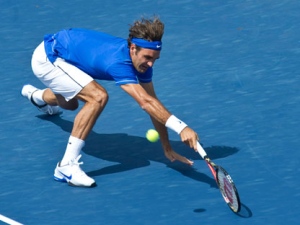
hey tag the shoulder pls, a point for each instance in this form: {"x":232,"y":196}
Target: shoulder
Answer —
{"x":74,"y":34}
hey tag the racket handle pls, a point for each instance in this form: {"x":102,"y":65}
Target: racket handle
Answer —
{"x":201,"y":150}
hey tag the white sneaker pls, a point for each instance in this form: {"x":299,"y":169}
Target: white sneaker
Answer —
{"x":73,"y":175}
{"x":27,"y":92}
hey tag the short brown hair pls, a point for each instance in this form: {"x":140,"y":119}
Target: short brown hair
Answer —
{"x":149,"y":29}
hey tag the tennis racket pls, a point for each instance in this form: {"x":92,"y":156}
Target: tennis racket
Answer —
{"x":224,"y":182}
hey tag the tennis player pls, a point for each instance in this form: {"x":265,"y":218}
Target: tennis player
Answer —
{"x":68,"y":63}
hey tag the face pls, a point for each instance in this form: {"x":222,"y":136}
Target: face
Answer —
{"x":144,"y":58}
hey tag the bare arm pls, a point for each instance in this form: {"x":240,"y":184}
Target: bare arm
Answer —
{"x":148,"y":101}
{"x":160,"y":127}
{"x":145,"y":95}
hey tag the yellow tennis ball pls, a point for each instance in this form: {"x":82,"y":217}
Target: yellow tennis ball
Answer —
{"x":152,"y":135}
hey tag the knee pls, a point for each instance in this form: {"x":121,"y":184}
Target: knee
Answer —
{"x":73,"y":105}
{"x":68,"y":105}
{"x":101,"y":97}
{"x":94,"y":95}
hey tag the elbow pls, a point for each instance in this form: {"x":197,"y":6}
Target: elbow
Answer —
{"x":144,"y":106}
{"x":145,"y":103}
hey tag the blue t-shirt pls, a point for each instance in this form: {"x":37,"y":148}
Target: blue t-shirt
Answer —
{"x":100,"y":55}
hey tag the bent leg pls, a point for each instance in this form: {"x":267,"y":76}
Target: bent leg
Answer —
{"x":56,"y":99}
{"x":95,"y":98}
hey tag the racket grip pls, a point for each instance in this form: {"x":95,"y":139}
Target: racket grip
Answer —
{"x":201,"y":150}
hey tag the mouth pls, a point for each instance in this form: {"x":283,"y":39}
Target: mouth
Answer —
{"x":144,"y":68}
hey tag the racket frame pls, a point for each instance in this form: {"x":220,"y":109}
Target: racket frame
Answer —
{"x":214,"y":168}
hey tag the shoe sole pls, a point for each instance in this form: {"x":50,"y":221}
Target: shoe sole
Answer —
{"x":63,"y":180}
{"x":73,"y":185}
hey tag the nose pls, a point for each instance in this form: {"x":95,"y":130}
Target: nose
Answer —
{"x":150,"y":64}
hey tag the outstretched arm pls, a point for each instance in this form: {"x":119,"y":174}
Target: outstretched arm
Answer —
{"x":147,"y":102}
{"x":145,"y":95}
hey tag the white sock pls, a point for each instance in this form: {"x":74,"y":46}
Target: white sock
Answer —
{"x":37,"y":97}
{"x":73,"y":150}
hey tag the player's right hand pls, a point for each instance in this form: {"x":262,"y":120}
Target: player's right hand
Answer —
{"x":189,"y":137}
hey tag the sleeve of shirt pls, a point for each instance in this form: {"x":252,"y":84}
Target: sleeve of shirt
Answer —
{"x":145,"y":77}
{"x":122,"y":74}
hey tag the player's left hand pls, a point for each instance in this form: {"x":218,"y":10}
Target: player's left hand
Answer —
{"x":173,"y":156}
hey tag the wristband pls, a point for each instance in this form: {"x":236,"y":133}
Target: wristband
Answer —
{"x":175,"y":124}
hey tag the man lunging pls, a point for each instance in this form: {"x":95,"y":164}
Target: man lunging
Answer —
{"x":68,"y":63}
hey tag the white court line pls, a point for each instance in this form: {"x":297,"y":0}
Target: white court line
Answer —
{"x":9,"y":221}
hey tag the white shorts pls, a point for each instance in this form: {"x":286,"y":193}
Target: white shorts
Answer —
{"x":61,"y":77}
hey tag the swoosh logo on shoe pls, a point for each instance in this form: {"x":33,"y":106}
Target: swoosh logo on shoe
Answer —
{"x":68,"y":177}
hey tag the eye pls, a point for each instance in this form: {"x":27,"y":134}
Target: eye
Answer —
{"x":148,"y":57}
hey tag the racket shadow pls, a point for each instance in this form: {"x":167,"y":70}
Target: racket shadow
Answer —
{"x":245,"y":212}
{"x":132,"y":152}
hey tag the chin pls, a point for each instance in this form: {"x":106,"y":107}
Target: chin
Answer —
{"x":142,"y":70}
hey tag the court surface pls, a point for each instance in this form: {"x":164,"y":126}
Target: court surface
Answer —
{"x":229,"y":69}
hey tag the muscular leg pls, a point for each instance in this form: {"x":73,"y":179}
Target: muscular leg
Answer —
{"x":95,"y":98}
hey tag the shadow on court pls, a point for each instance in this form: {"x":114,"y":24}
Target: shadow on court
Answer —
{"x":132,"y":152}
{"x":245,"y":211}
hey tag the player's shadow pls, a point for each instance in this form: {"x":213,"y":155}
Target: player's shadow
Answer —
{"x":132,"y":152}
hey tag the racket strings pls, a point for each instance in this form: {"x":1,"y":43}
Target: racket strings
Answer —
{"x":228,"y":190}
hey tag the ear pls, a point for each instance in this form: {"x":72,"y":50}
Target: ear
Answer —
{"x":132,"y":46}
{"x":132,"y":49}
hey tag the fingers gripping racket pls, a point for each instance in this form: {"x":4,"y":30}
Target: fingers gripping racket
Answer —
{"x":224,"y":182}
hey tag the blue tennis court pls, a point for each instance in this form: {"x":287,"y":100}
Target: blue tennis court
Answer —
{"x":229,"y":69}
